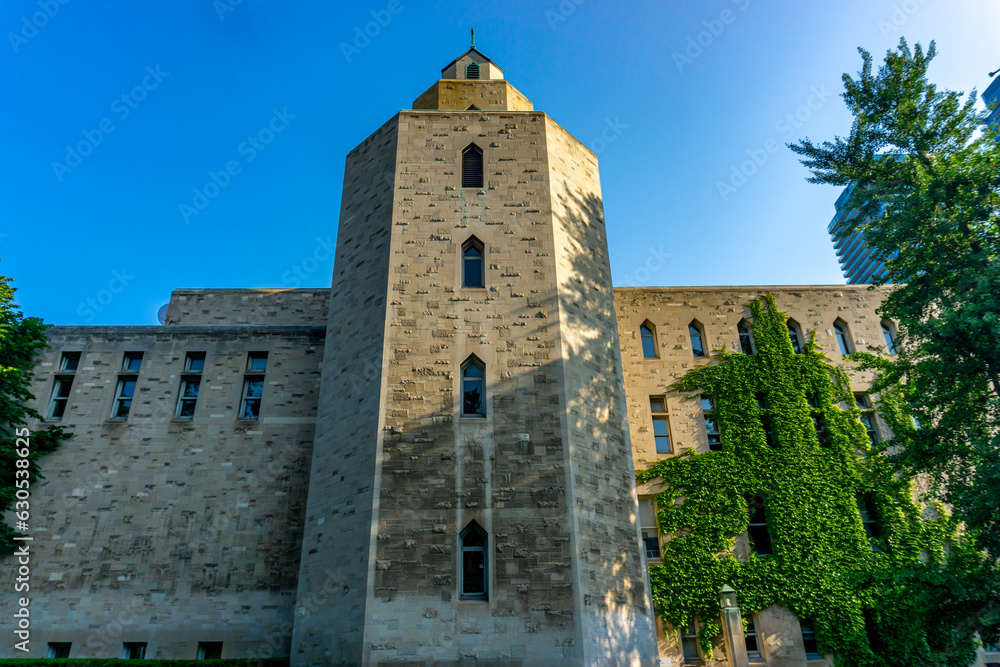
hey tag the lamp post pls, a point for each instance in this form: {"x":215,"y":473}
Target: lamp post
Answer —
{"x":732,"y":628}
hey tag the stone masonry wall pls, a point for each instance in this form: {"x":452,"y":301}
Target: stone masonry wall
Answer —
{"x":718,"y":310}
{"x":166,"y":531}
{"x":616,"y":610}
{"x":221,"y":307}
{"x":337,"y":556}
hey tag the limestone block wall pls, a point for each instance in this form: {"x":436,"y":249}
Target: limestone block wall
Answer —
{"x":616,"y":611}
{"x":221,"y":307}
{"x":337,"y":552}
{"x":459,"y":95}
{"x":165,"y":531}
{"x":718,"y":310}
{"x":439,"y":470}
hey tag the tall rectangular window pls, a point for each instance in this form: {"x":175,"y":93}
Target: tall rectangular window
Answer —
{"x":752,"y":640}
{"x":760,"y":536}
{"x":253,"y":392}
{"x":661,"y":431}
{"x":650,"y":533}
{"x":124,"y":394}
{"x":188,"y":398}
{"x":689,"y":644}
{"x":867,"y":417}
{"x":475,"y":567}
{"x":711,"y":425}
{"x":809,"y":640}
{"x":60,"y":397}
{"x":472,"y":167}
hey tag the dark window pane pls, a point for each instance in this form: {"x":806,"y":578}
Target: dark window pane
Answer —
{"x":697,"y":345}
{"x":251,"y":409}
{"x":58,"y":409}
{"x":761,"y":539}
{"x":187,"y":409}
{"x":746,"y":340}
{"x":842,"y":339}
{"x":209,"y":650}
{"x":257,"y":362}
{"x":689,"y":646}
{"x":473,"y":276}
{"x":128,"y":388}
{"x":63,"y":387}
{"x":472,"y":168}
{"x":472,"y":397}
{"x":656,"y":405}
{"x":254,"y":389}
{"x":70,"y":362}
{"x":651,"y":543}
{"x":122,"y":409}
{"x":793,"y":333}
{"x":473,"y":571}
{"x":191,"y":388}
{"x":196,"y":364}
{"x":472,"y":371}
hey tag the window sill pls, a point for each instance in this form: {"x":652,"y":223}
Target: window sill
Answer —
{"x":472,"y":600}
{"x":247,"y":420}
{"x":472,"y":417}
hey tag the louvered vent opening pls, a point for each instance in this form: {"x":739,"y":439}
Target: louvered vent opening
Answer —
{"x":472,"y":71}
{"x":472,"y":167}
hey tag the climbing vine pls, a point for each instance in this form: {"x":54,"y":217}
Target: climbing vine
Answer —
{"x":810,"y":473}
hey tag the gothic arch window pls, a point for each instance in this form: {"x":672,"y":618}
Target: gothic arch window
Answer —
{"x":889,"y":333}
{"x":473,"y":108}
{"x":647,"y":332}
{"x":472,"y":167}
{"x":473,"y":387}
{"x":843,"y":336}
{"x":746,"y":337}
{"x":795,"y":335}
{"x":474,"y":573}
{"x":473,"y":263}
{"x":472,"y":71}
{"x":697,"y":334}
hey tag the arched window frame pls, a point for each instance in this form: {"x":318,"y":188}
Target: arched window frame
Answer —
{"x":473,"y":166}
{"x":889,"y":334}
{"x":471,"y":278}
{"x":843,"y":335}
{"x":473,"y":71}
{"x":468,"y":381}
{"x":745,"y":332}
{"x":470,"y":556}
{"x":697,"y":332}
{"x":647,"y":338}
{"x":795,"y":335}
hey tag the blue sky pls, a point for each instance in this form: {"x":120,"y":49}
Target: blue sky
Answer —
{"x":674,"y":97}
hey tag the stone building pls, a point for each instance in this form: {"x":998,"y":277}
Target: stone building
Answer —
{"x":432,"y":460}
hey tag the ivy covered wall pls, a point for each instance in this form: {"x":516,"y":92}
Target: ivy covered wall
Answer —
{"x":792,"y":437}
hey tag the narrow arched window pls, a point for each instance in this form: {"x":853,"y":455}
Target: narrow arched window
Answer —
{"x":746,"y":337}
{"x":472,"y":71}
{"x":648,"y":335}
{"x":760,"y":536}
{"x":795,"y":335}
{"x":697,"y":339}
{"x":474,"y":574}
{"x":889,"y":333}
{"x":473,"y":266}
{"x":843,"y":339}
{"x":472,"y":167}
{"x":473,"y":387}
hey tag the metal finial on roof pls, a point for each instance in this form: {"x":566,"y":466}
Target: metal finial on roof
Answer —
{"x":992,"y":74}
{"x":473,"y":38}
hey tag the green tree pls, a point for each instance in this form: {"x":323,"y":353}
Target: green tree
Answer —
{"x":926,"y":177}
{"x":21,"y":338}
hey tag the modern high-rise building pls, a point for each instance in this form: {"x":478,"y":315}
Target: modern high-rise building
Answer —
{"x":857,"y":261}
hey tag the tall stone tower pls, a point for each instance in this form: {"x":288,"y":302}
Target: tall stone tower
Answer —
{"x":471,"y":492}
